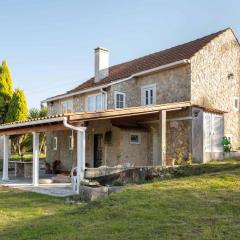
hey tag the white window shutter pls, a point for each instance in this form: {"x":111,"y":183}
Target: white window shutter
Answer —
{"x":218,"y":132}
{"x":207,"y":132}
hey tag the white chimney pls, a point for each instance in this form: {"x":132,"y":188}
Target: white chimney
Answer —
{"x":101,"y":63}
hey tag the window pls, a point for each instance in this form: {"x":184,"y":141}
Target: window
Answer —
{"x":236,"y":104}
{"x":67,"y":106}
{"x":95,"y":103}
{"x":135,"y":138}
{"x":55,"y":143}
{"x":71,"y":142}
{"x":148,"y":94}
{"x":119,"y":100}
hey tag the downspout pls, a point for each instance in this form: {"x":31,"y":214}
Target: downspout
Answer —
{"x":80,"y":150}
{"x":105,"y":108}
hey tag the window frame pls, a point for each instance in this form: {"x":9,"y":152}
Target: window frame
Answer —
{"x":95,"y":102}
{"x":55,"y":143}
{"x":148,"y":88}
{"x":236,"y":109}
{"x":115,"y":99}
{"x":139,"y":138}
{"x":68,"y":103}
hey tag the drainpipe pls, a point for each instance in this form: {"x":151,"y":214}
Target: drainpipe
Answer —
{"x":80,"y":150}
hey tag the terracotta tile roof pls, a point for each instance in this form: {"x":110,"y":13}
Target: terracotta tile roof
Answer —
{"x":124,"y":70}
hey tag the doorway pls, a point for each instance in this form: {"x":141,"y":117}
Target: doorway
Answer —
{"x":98,"y":150}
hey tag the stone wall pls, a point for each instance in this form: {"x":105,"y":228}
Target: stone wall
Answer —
{"x":172,"y":85}
{"x":215,"y":73}
{"x":118,"y":152}
{"x":63,"y":153}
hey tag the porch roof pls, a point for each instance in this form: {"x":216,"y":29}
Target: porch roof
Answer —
{"x":43,"y":124}
{"x":55,"y":122}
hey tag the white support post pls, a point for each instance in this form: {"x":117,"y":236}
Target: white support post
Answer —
{"x":80,"y":156}
{"x":5,"y":157}
{"x":162,"y":137}
{"x":35,"y":170}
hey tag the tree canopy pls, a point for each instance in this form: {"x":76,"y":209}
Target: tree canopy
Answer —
{"x":6,"y":90}
{"x":18,"y":109}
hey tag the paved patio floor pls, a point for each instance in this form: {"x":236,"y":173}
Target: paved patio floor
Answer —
{"x":52,"y":189}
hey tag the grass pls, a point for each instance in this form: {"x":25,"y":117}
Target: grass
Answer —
{"x":206,"y":206}
{"x":27,"y":156}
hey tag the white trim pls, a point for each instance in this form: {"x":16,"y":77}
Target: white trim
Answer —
{"x":236,"y":109}
{"x":35,"y":167}
{"x":170,"y":65}
{"x":115,"y":99}
{"x":139,"y":138}
{"x":34,"y":122}
{"x":143,"y":90}
{"x":55,"y":143}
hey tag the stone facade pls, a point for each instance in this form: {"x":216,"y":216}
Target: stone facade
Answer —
{"x":215,"y":73}
{"x":211,"y":79}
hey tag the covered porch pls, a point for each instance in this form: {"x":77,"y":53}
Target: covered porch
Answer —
{"x":156,"y":123}
{"x":38,"y":181}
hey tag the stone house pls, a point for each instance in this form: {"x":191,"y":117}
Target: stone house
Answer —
{"x":177,"y":103}
{"x":204,"y":72}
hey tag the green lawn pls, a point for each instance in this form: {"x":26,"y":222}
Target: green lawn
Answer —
{"x":198,"y":207}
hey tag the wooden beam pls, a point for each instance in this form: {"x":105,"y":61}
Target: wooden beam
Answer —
{"x":30,"y":129}
{"x":133,"y":111}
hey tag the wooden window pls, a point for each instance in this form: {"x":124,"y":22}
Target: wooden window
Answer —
{"x":55,"y":143}
{"x":135,"y":138}
{"x":119,"y":100}
{"x":148,"y":94}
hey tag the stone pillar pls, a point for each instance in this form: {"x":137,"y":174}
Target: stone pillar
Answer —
{"x":162,"y":137}
{"x":35,"y":171}
{"x":80,"y":156}
{"x":5,"y":157}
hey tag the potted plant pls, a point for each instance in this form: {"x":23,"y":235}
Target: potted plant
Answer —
{"x":227,"y":146}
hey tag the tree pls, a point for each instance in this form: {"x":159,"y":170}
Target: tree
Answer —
{"x":6,"y":90}
{"x":18,"y":111}
{"x":38,"y":113}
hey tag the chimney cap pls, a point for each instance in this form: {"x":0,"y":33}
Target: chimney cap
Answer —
{"x":101,"y":48}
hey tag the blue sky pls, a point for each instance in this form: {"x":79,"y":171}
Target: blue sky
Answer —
{"x":49,"y":44}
